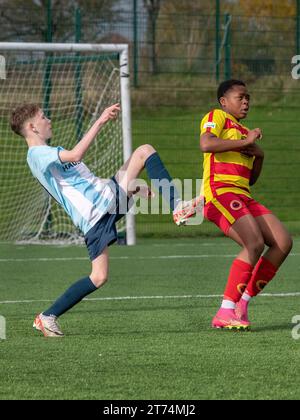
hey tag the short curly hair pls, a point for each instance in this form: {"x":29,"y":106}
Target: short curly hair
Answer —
{"x":20,"y":115}
{"x":227,"y":85}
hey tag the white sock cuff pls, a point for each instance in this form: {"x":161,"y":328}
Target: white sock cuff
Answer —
{"x":246,"y":297}
{"x":228,"y":304}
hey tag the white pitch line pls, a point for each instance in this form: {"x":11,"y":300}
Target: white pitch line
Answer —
{"x":190,"y":244}
{"x":42,"y":259}
{"x":116,"y":298}
{"x":158,"y":257}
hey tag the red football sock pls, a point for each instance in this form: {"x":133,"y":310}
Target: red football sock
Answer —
{"x":263,"y":273}
{"x":239,"y":276}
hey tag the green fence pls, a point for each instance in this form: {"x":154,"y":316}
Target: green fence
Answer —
{"x":179,"y":52}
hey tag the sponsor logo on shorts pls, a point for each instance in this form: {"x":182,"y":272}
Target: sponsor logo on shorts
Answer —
{"x":241,"y":288}
{"x":236,"y":205}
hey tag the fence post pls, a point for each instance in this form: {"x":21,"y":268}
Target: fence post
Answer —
{"x":227,"y":72}
{"x":135,"y":45}
{"x":49,"y":21}
{"x":47,"y":89}
{"x":78,"y":79}
{"x":77,"y":25}
{"x":217,"y":41}
{"x":298,"y":28}
{"x":47,"y":74}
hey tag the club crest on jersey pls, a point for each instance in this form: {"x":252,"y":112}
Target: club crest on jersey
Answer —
{"x":70,"y":165}
{"x":210,"y":125}
{"x":236,"y":205}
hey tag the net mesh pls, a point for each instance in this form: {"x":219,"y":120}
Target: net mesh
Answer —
{"x":73,"y":89}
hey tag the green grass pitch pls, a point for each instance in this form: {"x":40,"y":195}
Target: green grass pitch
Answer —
{"x":146,"y":334}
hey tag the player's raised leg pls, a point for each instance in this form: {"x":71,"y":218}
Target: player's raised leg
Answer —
{"x":145,"y":156}
{"x":246,"y":232}
{"x":280,"y":243}
{"x":46,"y":322}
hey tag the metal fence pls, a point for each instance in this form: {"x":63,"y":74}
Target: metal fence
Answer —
{"x":217,"y":43}
{"x":177,"y":59}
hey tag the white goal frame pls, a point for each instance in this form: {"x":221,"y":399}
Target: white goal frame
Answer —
{"x":123,"y":51}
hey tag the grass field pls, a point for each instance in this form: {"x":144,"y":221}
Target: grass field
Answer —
{"x":146,"y":334}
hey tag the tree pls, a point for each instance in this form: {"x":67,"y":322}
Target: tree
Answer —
{"x":267,"y":8}
{"x":264,"y":34}
{"x":27,"y":21}
{"x":185,"y":32}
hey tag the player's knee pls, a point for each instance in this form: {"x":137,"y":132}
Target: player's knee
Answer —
{"x":145,"y":151}
{"x":290,"y":243}
{"x":99,"y":279}
{"x":284,"y":244}
{"x":259,"y":246}
{"x":287,"y":245}
{"x":256,"y":248}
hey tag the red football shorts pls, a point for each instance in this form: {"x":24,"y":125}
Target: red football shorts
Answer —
{"x":227,"y":208}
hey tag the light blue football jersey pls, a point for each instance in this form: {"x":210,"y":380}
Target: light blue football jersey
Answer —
{"x":83,"y":196}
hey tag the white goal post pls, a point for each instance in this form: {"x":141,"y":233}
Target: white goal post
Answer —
{"x":51,"y":72}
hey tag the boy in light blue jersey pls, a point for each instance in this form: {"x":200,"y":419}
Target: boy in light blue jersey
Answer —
{"x":93,"y":204}
{"x":83,"y":196}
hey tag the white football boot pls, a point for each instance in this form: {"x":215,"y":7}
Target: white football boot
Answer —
{"x":47,"y":325}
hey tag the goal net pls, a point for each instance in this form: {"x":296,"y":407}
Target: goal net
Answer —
{"x":73,"y":84}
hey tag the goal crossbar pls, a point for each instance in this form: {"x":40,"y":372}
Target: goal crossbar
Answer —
{"x":59,"y":47}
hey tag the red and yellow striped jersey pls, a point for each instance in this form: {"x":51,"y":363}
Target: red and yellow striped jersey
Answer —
{"x":226,"y":171}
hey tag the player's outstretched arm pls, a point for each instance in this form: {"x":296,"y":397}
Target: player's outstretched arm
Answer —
{"x":78,"y":152}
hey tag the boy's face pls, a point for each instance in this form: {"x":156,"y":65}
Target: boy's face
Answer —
{"x":41,"y":125}
{"x":236,"y":101}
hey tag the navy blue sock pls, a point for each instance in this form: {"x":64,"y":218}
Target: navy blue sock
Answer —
{"x":73,"y":295}
{"x":157,"y":172}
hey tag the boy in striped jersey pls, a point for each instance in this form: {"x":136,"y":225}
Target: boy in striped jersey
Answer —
{"x":93,"y":204}
{"x":232,"y":163}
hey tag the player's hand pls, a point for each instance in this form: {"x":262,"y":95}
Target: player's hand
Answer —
{"x":253,"y":135}
{"x":110,"y":113}
{"x":253,"y":150}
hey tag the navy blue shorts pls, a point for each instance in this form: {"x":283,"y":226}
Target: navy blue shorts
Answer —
{"x":104,"y":233}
